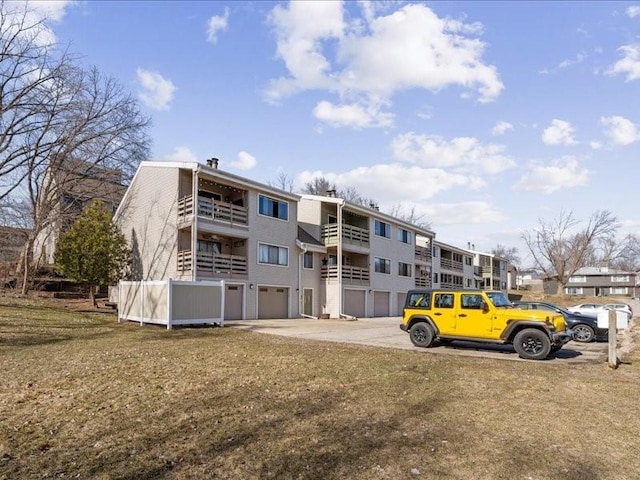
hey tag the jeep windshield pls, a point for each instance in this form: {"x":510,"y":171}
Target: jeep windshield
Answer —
{"x":499,"y":299}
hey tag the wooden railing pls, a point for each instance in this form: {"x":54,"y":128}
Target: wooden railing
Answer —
{"x":214,"y":209}
{"x":423,"y":254}
{"x":423,"y":282}
{"x":357,"y":275}
{"x":450,"y":264}
{"x":216,"y":264}
{"x":350,"y":234}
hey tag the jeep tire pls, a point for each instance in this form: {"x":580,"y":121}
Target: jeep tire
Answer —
{"x":532,"y":344}
{"x":421,"y":334}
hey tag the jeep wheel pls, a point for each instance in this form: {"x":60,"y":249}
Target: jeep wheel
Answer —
{"x":421,"y":334}
{"x":583,"y":333}
{"x":532,"y":344}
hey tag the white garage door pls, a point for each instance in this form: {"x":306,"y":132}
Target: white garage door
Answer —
{"x":402,"y":297}
{"x":272,"y":302}
{"x":233,"y":302}
{"x":354,"y":303}
{"x":380,"y":304}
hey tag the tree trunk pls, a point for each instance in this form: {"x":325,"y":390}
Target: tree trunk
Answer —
{"x":92,"y":296}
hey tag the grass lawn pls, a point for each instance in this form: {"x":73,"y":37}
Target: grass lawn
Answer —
{"x":82,"y":396}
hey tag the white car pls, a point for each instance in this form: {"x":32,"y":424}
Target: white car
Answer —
{"x":590,"y":309}
{"x":623,"y":307}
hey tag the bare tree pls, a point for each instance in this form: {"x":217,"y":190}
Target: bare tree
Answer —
{"x":319,"y":186}
{"x":411,"y":216}
{"x":60,"y":125}
{"x":559,"y":248}
{"x":283,"y":181}
{"x":322,"y":185}
{"x":510,"y":254}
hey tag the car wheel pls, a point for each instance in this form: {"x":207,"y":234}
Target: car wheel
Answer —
{"x":583,"y":333}
{"x":421,"y":334}
{"x":532,"y":344}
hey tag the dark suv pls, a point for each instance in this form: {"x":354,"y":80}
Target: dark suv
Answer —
{"x":585,"y":328}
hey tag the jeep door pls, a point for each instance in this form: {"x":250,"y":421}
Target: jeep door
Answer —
{"x":473,"y":320}
{"x":444,"y":313}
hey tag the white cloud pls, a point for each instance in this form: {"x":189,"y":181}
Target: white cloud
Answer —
{"x":367,"y":60}
{"x":633,"y":11}
{"x":245,"y":161}
{"x":180,"y":154}
{"x":38,"y":16}
{"x":579,"y":58}
{"x":629,"y":64}
{"x":595,"y":145}
{"x":461,"y":153}
{"x":559,"y":132}
{"x":620,"y":130}
{"x":393,"y":183}
{"x":463,"y":213}
{"x":356,"y":116}
{"x":157,"y":91}
{"x":501,"y":128}
{"x":217,"y":24}
{"x":563,"y":173}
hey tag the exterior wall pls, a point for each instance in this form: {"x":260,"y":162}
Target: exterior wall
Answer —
{"x":310,"y":216}
{"x":148,"y":219}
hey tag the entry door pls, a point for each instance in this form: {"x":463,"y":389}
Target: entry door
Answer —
{"x":307,"y":301}
{"x":472,"y":320}
{"x":233,"y":302}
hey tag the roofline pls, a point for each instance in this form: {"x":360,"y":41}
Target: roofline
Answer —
{"x":369,"y":212}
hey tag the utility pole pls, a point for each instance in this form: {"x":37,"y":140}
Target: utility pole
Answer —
{"x":613,"y":360}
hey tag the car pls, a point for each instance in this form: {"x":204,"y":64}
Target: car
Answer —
{"x":585,"y":328}
{"x":481,"y":316}
{"x":590,"y":309}
{"x":621,"y":307}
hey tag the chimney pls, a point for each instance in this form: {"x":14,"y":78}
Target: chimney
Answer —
{"x":331,"y":193}
{"x":212,"y":162}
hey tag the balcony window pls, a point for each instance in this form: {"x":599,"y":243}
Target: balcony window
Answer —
{"x":405,"y":236}
{"x":273,"y":208}
{"x":209,"y":247}
{"x":382,"y":265}
{"x":382,"y":229}
{"x":273,"y":255}
{"x":404,"y":269}
{"x":620,"y":278}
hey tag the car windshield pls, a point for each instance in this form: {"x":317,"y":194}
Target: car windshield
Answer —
{"x":499,"y":299}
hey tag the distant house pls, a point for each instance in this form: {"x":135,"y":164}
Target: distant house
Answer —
{"x":602,"y":282}
{"x":73,"y":184}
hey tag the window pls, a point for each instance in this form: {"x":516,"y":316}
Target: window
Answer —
{"x":471,"y":300}
{"x":573,"y":291}
{"x":435,"y":278}
{"x":620,"y":278}
{"x":273,"y":208}
{"x":443,"y":300}
{"x":578,"y":279}
{"x":404,"y":269}
{"x":382,"y":229}
{"x":209,"y":247}
{"x":382,"y":265}
{"x":468,"y":261}
{"x":307,"y":260}
{"x":405,"y":236}
{"x":619,"y":290}
{"x":469,"y":283}
{"x":273,"y":255}
{"x":418,"y":299}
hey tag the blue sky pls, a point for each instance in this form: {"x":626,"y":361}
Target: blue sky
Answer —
{"x":484,"y":116}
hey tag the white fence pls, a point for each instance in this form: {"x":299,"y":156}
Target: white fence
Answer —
{"x":172,"y":302}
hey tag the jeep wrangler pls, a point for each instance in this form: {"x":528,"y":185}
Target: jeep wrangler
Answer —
{"x":481,"y":316}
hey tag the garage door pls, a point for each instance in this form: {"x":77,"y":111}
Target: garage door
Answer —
{"x":400,"y":305}
{"x":380,"y":304}
{"x":233,"y":302}
{"x":354,"y":303}
{"x":272,"y":302}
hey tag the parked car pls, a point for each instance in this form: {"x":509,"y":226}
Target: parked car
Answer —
{"x":585,"y":328}
{"x":590,"y":309}
{"x":621,"y":307}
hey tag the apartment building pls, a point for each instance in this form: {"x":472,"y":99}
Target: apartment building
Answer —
{"x":191,"y":221}
{"x":490,"y":271}
{"x":372,"y":259}
{"x":452,"y":267}
{"x":602,"y":281}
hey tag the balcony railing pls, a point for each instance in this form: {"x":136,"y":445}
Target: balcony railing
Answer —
{"x":354,"y":275}
{"x":350,"y":234}
{"x":450,"y":264}
{"x":423,"y":254}
{"x":423,"y":282}
{"x":488,"y":272}
{"x":216,"y":264}
{"x":214,"y":210}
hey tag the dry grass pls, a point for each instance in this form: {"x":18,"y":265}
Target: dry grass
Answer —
{"x":84,"y":397}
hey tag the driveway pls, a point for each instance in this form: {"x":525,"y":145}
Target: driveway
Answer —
{"x":384,"y":332}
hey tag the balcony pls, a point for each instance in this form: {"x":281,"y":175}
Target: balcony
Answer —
{"x":423,"y":254}
{"x":213,"y":210}
{"x":350,"y":234}
{"x":214,"y":265}
{"x":423,"y":282}
{"x":350,"y":275}
{"x":450,"y":264}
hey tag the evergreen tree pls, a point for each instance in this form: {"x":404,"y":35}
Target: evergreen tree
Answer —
{"x":93,"y":250}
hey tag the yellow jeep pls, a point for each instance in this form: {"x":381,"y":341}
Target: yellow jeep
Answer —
{"x":482,"y":316}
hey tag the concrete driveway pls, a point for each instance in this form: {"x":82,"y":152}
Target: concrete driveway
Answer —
{"x":384,"y":332}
